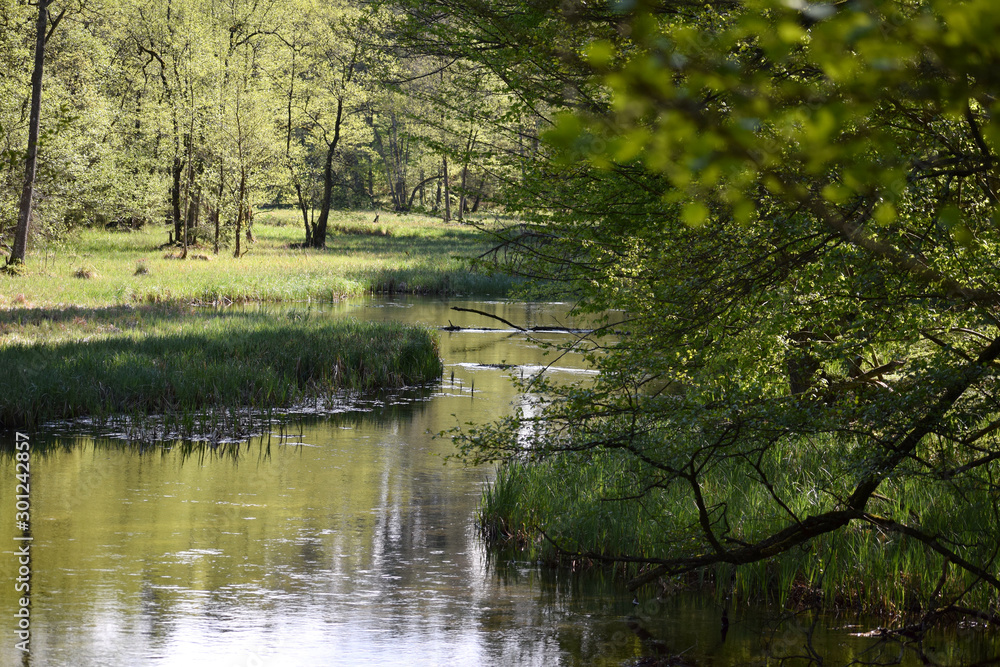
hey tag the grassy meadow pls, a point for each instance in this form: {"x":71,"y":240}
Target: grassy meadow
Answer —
{"x":107,"y":323}
{"x":400,"y":254}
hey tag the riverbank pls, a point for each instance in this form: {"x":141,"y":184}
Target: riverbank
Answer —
{"x":181,"y":360}
{"x":580,"y":503}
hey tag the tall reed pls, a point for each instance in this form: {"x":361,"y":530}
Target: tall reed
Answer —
{"x":207,"y":359}
{"x":586,"y":502}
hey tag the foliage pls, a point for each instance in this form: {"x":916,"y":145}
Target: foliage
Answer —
{"x":197,"y":113}
{"x":792,"y":207}
{"x":585,"y":502}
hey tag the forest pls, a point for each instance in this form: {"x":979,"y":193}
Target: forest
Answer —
{"x":194,"y":114}
{"x":781,"y":215}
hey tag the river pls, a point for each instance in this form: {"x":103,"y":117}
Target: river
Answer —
{"x":338,"y":540}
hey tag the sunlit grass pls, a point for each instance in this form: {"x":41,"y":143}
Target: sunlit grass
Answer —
{"x":400,"y":254}
{"x":101,"y":323}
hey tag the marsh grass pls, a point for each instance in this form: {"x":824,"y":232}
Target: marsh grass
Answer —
{"x":401,"y":254}
{"x":579,"y":503}
{"x":181,"y":361}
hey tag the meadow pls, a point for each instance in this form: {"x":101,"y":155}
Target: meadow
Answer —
{"x":400,"y":254}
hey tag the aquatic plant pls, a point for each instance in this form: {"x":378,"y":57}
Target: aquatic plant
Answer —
{"x":155,"y":360}
{"x":579,"y":508}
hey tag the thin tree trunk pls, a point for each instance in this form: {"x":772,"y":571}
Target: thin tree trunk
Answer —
{"x":388,"y":163}
{"x":241,"y":209}
{"x":175,"y":197}
{"x":461,"y":199}
{"x":213,"y":215}
{"x":288,"y":154}
{"x":437,"y":194}
{"x":31,"y":161}
{"x":319,"y":229}
{"x":447,"y":191}
{"x":304,"y":207}
{"x":218,"y":205}
{"x":188,"y":187}
{"x":250,"y":237}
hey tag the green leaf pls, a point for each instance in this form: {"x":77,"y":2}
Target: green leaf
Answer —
{"x":695,"y":214}
{"x":884,"y":214}
{"x":601,"y":53}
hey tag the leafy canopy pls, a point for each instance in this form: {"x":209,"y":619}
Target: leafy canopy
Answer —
{"x":792,"y":205}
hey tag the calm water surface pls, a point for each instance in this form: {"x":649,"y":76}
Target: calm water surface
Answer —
{"x":342,"y":541}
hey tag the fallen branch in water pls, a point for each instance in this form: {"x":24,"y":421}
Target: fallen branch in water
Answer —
{"x":452,"y":327}
{"x":484,"y":314}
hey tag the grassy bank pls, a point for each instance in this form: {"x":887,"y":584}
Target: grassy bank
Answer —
{"x":60,"y":364}
{"x":858,"y":568}
{"x":400,"y":254}
{"x":101,"y":323}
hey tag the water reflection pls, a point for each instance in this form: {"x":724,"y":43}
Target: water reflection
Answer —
{"x":334,"y":541}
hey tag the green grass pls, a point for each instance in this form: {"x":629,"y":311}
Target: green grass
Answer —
{"x":70,"y":363}
{"x":574,"y":499}
{"x":101,"y":324}
{"x":401,"y":254}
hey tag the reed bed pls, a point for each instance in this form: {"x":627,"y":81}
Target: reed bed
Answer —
{"x":584,"y":503}
{"x":182,"y":361}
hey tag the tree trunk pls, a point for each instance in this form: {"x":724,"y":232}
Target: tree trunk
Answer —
{"x":218,"y":206}
{"x":422,"y":183}
{"x":319,"y":229}
{"x":175,"y":197}
{"x":462,"y":199}
{"x":31,"y":160}
{"x":401,"y":205}
{"x":388,"y":161}
{"x":437,"y":195}
{"x":447,"y":191}
{"x":304,"y":207}
{"x":463,"y":196}
{"x":214,"y":217}
{"x":241,"y":210}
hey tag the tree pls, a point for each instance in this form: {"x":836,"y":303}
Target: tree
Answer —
{"x":204,"y":71}
{"x":793,"y":205}
{"x":328,"y":85}
{"x":42,"y":32}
